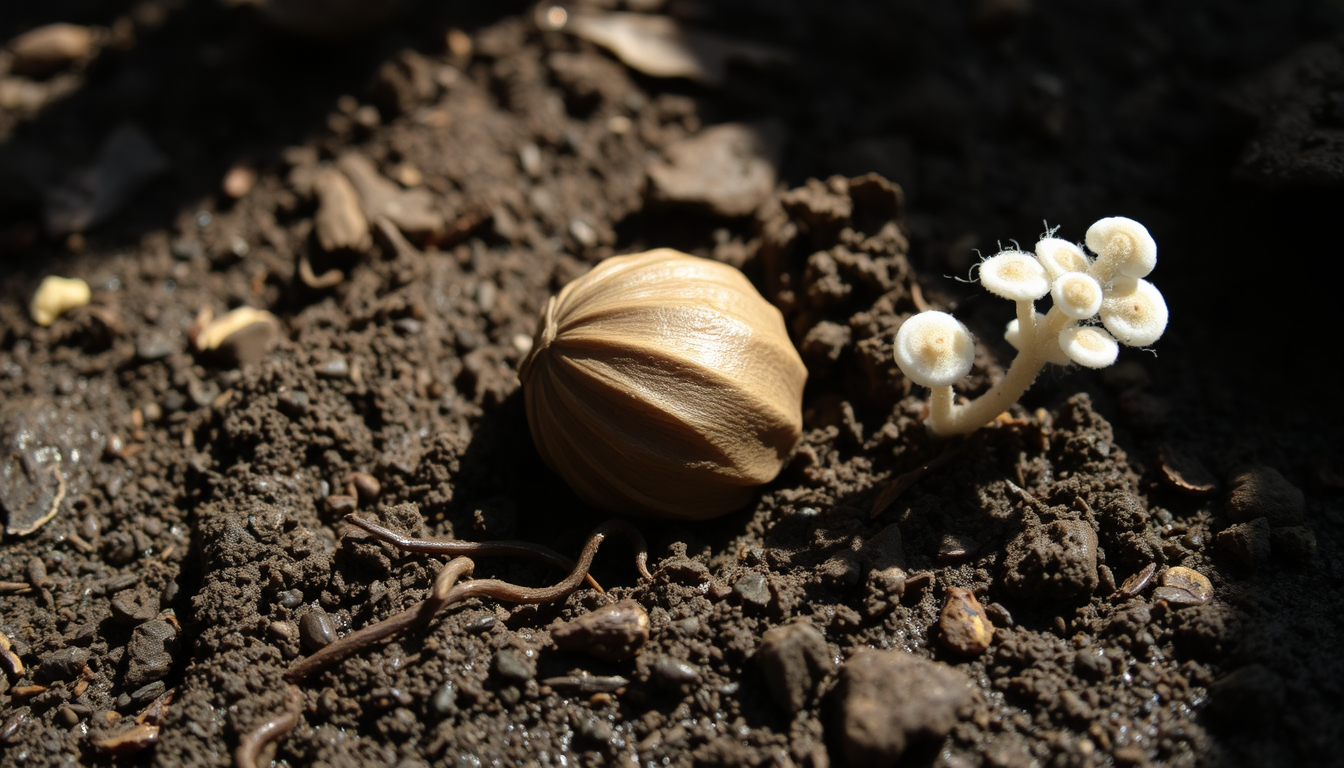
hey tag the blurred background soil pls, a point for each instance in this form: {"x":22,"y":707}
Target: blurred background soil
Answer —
{"x":402,"y":186}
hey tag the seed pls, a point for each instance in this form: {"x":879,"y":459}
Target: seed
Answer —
{"x":1139,"y":581}
{"x":1183,"y":586}
{"x":315,"y":629}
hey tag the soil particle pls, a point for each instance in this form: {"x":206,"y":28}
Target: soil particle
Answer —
{"x":64,"y":664}
{"x":47,"y":455}
{"x":1055,"y":561}
{"x":514,"y":666}
{"x":1264,"y":492}
{"x":151,"y":650}
{"x":1250,"y":542}
{"x":794,"y":659}
{"x":612,"y":633}
{"x":887,"y":700}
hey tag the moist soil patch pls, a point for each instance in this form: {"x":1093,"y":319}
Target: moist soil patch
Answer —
{"x":1134,"y":566}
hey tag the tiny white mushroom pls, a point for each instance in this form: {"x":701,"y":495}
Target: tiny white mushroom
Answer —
{"x":933,"y":349}
{"x":1089,"y":346}
{"x":1122,"y":245}
{"x":1059,"y":256}
{"x":1077,"y":295}
{"x":1134,"y":312}
{"x":1014,"y":275}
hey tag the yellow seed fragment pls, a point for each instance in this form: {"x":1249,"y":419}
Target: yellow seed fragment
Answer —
{"x":56,"y":296}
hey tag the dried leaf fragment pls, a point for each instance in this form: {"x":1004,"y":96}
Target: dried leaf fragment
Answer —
{"x":1185,"y":473}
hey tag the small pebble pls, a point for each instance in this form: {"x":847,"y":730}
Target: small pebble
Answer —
{"x":512,"y":665}
{"x":444,"y":700}
{"x":480,"y":624}
{"x":671,"y":673}
{"x":794,"y":659}
{"x":290,"y":598}
{"x":753,"y":588}
{"x":335,"y":368}
{"x":366,"y":486}
{"x":315,"y":629}
{"x":340,"y":504}
{"x":963,"y":624}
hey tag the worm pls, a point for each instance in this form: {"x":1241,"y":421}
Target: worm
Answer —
{"x":456,"y":548}
{"x":446,"y":591}
{"x":271,"y":729}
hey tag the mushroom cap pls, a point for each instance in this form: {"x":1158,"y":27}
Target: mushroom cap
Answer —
{"x":1089,"y":346}
{"x":933,"y":349}
{"x":1059,"y":256}
{"x":1077,"y":295}
{"x":1134,"y":311}
{"x":1053,"y":354}
{"x":1125,"y":244}
{"x":1014,"y":275}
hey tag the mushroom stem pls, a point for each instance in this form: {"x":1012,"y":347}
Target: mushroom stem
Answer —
{"x":1026,"y":322}
{"x":946,"y":419}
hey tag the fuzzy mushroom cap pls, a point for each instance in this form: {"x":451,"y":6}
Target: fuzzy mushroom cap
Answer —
{"x":933,"y":349}
{"x":1125,"y":243}
{"x":1089,"y":346}
{"x":1077,"y":295}
{"x":1053,"y":354}
{"x":1134,"y":312}
{"x":1015,"y":275}
{"x":1060,"y":257}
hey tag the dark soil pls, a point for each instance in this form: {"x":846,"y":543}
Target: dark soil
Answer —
{"x":197,"y":546}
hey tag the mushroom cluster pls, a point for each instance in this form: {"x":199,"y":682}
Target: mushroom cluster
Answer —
{"x":933,"y":349}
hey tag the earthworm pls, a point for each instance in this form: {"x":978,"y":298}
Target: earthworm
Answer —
{"x":363,"y":638}
{"x":502,"y":590}
{"x":455,"y":548}
{"x":446,"y":591}
{"x":270,"y":729}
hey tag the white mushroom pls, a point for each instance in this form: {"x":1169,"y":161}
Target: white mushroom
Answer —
{"x":1122,"y":246}
{"x":1060,"y":256}
{"x":1134,"y":312}
{"x":1077,"y":295}
{"x":1089,"y":346}
{"x":1130,"y":308}
{"x":1015,"y":276}
{"x":933,"y":349}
